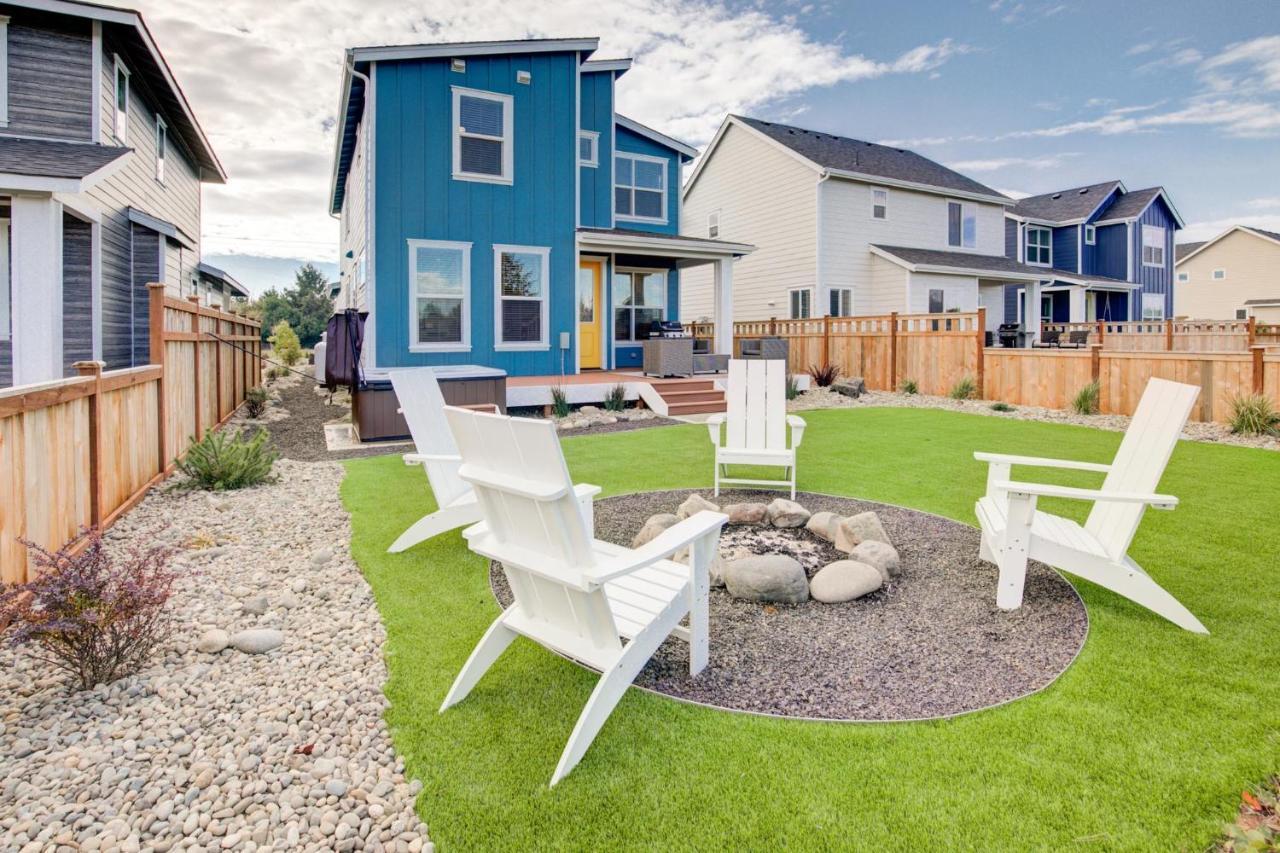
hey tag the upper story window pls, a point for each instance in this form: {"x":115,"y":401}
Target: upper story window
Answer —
{"x":162,"y":145}
{"x":801,"y":304}
{"x":439,"y":295}
{"x":588,"y":148}
{"x":1152,"y":246}
{"x":962,"y":224}
{"x":713,"y":224}
{"x":1090,"y":235}
{"x":120,"y":118}
{"x":1152,"y":306}
{"x":482,"y":130}
{"x":639,"y":300}
{"x":1219,"y":274}
{"x":4,"y":71}
{"x":640,"y":188}
{"x":521,"y":274}
{"x":1242,"y":314}
{"x":879,"y":203}
{"x":841,"y":302}
{"x":1039,"y":245}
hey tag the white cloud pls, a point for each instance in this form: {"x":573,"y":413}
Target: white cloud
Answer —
{"x":263,"y":79}
{"x":1208,"y":229}
{"x":1140,"y":48}
{"x":1250,"y":66}
{"x":996,"y":164}
{"x":1268,"y":203}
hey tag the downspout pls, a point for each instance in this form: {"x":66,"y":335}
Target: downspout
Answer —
{"x":820,"y":290}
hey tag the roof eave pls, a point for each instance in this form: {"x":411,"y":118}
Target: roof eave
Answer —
{"x":864,"y":177}
{"x":656,"y":136}
{"x":910,"y":266}
{"x":681,"y":247}
{"x":484,"y":48}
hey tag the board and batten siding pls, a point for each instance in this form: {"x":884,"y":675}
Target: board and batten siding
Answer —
{"x":596,"y":182}
{"x":50,"y":76}
{"x":1251,"y":265}
{"x":766,"y":198}
{"x":1154,"y":279}
{"x":77,"y":292}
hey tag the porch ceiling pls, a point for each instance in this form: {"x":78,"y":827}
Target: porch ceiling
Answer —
{"x":687,"y":251}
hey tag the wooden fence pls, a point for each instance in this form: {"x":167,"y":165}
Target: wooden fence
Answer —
{"x":1174,"y":335}
{"x":79,"y":452}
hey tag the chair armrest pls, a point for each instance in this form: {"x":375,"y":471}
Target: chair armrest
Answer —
{"x":522,"y":486}
{"x":797,"y":425}
{"x":419,"y":458}
{"x":1038,"y":462}
{"x":1013,"y":487}
{"x":586,"y":490}
{"x":671,"y":540}
{"x":713,"y":426}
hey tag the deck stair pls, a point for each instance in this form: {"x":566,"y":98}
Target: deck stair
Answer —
{"x":685,"y":397}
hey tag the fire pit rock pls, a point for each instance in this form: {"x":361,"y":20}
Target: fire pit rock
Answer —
{"x":693,"y":505}
{"x":879,"y":554}
{"x":774,"y":578}
{"x":654,"y":526}
{"x":856,"y":529}
{"x":785,"y":513}
{"x":823,"y":525}
{"x":752,"y":513}
{"x":844,"y":580}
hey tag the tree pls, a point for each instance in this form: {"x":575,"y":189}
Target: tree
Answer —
{"x":306,"y":306}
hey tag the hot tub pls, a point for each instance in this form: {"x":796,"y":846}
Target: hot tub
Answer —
{"x":373,"y":406}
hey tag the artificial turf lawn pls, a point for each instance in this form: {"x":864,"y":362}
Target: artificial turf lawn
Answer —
{"x":1144,"y":743}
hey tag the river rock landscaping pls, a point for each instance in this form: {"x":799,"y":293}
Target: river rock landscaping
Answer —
{"x":258,"y":724}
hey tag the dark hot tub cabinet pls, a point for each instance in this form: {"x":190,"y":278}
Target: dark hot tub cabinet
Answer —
{"x":373,"y":406}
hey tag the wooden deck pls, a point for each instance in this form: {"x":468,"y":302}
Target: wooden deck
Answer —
{"x":679,"y":396}
{"x":590,"y":377}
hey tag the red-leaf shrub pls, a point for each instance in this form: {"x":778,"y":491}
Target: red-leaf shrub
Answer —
{"x":96,"y":617}
{"x":825,"y":375}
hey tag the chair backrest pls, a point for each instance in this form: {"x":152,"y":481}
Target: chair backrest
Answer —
{"x":534,"y":527}
{"x":1080,"y":336}
{"x":1052,"y":336}
{"x":423,"y":407}
{"x":757,"y":398}
{"x":1139,"y":463}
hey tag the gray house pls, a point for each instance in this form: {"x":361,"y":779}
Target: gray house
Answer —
{"x":101,"y":166}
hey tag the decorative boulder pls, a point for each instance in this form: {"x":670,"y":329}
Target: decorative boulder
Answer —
{"x":854,"y":387}
{"x":785,"y":513}
{"x":213,"y":641}
{"x":257,"y":641}
{"x":859,"y":528}
{"x":823,"y":525}
{"x":717,"y":571}
{"x":883,"y":557}
{"x":655,"y":525}
{"x":767,"y":577}
{"x":844,"y":580}
{"x":693,"y":505}
{"x":746,"y":513}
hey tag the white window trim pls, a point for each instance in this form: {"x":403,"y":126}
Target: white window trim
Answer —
{"x":884,"y":190}
{"x":839,"y":290}
{"x":162,"y":145}
{"x":808,"y":290}
{"x":543,"y":343}
{"x":613,"y":306}
{"x":965,"y":207}
{"x":1091,"y":235}
{"x":4,"y":72}
{"x":465,"y":344}
{"x":1142,"y":307}
{"x":120,"y":132}
{"x":6,"y":281}
{"x":1142,"y":246}
{"x":1216,"y":277}
{"x":1026,"y":245}
{"x":662,"y":161}
{"x":713,"y":224}
{"x":507,"y":139}
{"x":595,"y":148}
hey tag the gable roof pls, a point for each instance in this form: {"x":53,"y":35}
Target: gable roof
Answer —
{"x":1181,"y":250}
{"x":1196,"y":248}
{"x":655,"y":136}
{"x":1133,"y":204}
{"x":1066,"y":207}
{"x":841,"y":156}
{"x":966,"y":263}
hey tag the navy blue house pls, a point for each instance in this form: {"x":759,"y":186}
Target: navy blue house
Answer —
{"x":496,"y":210}
{"x":1107,"y":253}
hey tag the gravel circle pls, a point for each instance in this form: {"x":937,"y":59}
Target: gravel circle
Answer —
{"x":283,"y":750}
{"x":930,"y":644}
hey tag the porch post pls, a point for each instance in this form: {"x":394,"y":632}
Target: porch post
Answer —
{"x":36,"y":288}
{"x":722,"y":285}
{"x":1031,"y":312}
{"x":1078,"y":297}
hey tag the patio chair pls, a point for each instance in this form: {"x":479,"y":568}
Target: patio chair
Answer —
{"x":1014,"y":531}
{"x":607,"y":606}
{"x":422,"y":405}
{"x":1076,"y":339}
{"x":1051,"y":338}
{"x":755,"y":425}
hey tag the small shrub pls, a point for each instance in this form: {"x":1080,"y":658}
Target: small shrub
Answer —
{"x":225,"y":460}
{"x":793,"y":387}
{"x":1002,"y":407}
{"x":255,"y":402}
{"x":965,"y":389}
{"x":559,"y":402}
{"x":1257,"y":826}
{"x":908,"y":386}
{"x":1086,"y":401}
{"x":285,"y":344}
{"x":825,"y":375}
{"x":1254,"y":414}
{"x":276,"y":371}
{"x":94,"y":617}
{"x":616,"y":399}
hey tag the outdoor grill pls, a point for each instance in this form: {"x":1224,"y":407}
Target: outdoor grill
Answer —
{"x":1011,"y":334}
{"x":667,"y":329}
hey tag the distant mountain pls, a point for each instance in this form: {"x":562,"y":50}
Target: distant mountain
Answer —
{"x":259,"y":274}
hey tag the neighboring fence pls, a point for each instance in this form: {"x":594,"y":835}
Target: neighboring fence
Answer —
{"x":1174,"y":335}
{"x":79,"y":452}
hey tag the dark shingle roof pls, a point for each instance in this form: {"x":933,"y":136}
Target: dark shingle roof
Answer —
{"x":49,"y":159}
{"x":854,"y":155}
{"x":1273,"y":235}
{"x":1064,"y":205}
{"x":1181,"y":250}
{"x":1274,"y":300}
{"x":995,"y":264}
{"x":1131,"y":204}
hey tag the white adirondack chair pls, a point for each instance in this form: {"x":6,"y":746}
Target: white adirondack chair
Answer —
{"x":1013,"y":530}
{"x":604,"y":605}
{"x":755,"y":425}
{"x":422,"y":405}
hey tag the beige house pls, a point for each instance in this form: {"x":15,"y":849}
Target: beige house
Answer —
{"x":1235,"y":275}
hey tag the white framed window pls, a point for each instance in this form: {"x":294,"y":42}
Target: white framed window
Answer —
{"x":588,"y":148}
{"x":879,"y":203}
{"x":937,"y":301}
{"x":1152,"y":306}
{"x":713,"y":224}
{"x":522,"y":277}
{"x":1219,"y":274}
{"x":800,"y":303}
{"x":1152,"y":246}
{"x":120,"y":117}
{"x":962,"y":224}
{"x":639,"y":301}
{"x":4,"y":76}
{"x":1090,"y":235}
{"x":841,"y":302}
{"x":439,"y":296}
{"x":1039,"y":245}
{"x":162,"y":146}
{"x":482,"y":131}
{"x":639,"y":188}
{"x":1184,"y":276}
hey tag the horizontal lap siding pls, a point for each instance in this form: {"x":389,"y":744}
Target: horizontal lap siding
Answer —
{"x":50,"y":76}
{"x":1251,"y":265}
{"x":355,"y":225}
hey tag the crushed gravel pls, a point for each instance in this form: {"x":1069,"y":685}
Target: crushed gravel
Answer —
{"x":299,"y":433}
{"x":930,"y":644}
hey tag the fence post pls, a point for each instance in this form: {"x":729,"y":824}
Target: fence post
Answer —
{"x":1168,"y":336}
{"x":217,"y":369}
{"x":773,"y":326}
{"x":156,"y":320}
{"x":94,"y":369}
{"x":1252,"y":332}
{"x":195,"y":382}
{"x":893,"y":351}
{"x":1101,"y":331}
{"x":982,"y":352}
{"x":1095,"y":369}
{"x":1259,"y":377}
{"x":826,"y":340}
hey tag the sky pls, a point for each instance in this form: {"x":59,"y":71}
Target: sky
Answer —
{"x":1026,"y":96}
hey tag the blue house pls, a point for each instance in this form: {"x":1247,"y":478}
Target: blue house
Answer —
{"x":1107,"y":252}
{"x":497,"y":212}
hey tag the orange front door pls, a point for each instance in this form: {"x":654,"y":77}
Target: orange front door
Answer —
{"x":590,"y":283}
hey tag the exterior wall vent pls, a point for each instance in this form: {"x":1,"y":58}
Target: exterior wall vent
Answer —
{"x":524,"y":77}
{"x":459,"y":65}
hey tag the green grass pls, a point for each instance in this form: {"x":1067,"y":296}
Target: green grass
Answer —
{"x":1144,"y":743}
